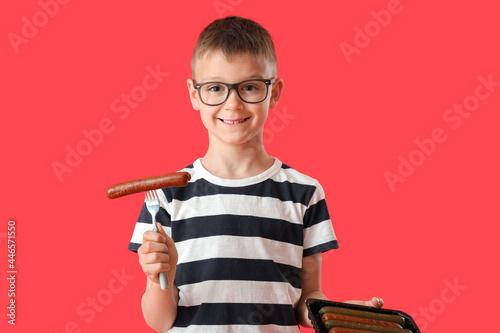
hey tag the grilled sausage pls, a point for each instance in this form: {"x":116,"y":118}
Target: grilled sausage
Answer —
{"x":150,"y":183}
{"x":367,"y":321}
{"x":346,"y":330}
{"x":363,"y":327}
{"x":363,"y":314}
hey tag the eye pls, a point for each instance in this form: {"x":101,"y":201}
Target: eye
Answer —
{"x":214,"y":88}
{"x":250,"y":87}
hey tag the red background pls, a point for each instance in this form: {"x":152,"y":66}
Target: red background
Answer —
{"x":346,"y":124}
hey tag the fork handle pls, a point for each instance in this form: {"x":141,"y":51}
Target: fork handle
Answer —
{"x":163,"y":275}
{"x":163,"y":281}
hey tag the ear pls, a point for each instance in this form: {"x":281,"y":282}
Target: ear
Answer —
{"x":193,"y":95}
{"x":277,"y":88}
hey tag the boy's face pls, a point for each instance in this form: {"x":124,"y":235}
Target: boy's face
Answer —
{"x":234,"y":121}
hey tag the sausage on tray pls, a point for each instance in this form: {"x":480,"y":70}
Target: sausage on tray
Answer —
{"x":363,"y":327}
{"x":346,"y":330}
{"x":367,"y":321}
{"x":363,"y":314}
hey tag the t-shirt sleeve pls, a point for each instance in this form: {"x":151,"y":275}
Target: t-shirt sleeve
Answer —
{"x":145,"y":223}
{"x":318,"y":230}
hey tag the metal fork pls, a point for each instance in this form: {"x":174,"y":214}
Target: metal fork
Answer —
{"x":153,"y":205}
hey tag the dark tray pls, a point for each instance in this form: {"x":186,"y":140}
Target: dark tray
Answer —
{"x":314,"y":305}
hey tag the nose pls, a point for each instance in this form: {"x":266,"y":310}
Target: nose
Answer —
{"x":233,"y":100}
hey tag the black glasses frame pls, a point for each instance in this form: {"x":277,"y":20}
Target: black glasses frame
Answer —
{"x":234,"y":86}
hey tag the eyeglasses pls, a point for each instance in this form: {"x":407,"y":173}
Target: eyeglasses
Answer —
{"x":250,"y":91}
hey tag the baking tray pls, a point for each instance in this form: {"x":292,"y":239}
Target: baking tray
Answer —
{"x":313,"y":305}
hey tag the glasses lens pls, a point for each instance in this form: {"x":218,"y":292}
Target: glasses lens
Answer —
{"x":213,"y":93}
{"x":252,"y":91}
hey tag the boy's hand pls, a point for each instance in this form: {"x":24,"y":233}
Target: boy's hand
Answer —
{"x":376,"y":302}
{"x":158,"y":254}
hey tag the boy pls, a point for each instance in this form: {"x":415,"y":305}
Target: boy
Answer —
{"x":242,"y":242}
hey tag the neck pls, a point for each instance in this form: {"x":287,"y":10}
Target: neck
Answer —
{"x":237,"y":161}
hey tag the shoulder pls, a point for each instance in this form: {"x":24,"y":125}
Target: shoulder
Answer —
{"x":292,"y":175}
{"x":300,"y":185}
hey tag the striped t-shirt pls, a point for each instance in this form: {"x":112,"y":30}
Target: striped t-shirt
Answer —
{"x":240,"y":244}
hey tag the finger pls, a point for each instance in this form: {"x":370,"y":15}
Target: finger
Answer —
{"x":154,"y":258}
{"x":153,"y":236}
{"x":152,"y":270}
{"x":154,"y":262}
{"x":376,"y":302}
{"x":160,"y":229}
{"x":150,"y":246}
{"x":168,"y":240}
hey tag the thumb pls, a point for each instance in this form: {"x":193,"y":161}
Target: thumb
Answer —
{"x":169,"y":240}
{"x":172,"y":250}
{"x":376,"y":302}
{"x":160,"y":229}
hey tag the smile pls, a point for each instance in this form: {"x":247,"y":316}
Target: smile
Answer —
{"x":232,"y":122}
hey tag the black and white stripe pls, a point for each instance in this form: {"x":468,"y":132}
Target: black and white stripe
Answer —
{"x":241,"y":244}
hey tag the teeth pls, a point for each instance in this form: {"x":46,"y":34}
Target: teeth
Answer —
{"x":233,"y":122}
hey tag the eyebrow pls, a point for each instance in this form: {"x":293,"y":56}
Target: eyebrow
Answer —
{"x":219,"y":79}
{"x":211,"y":78}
